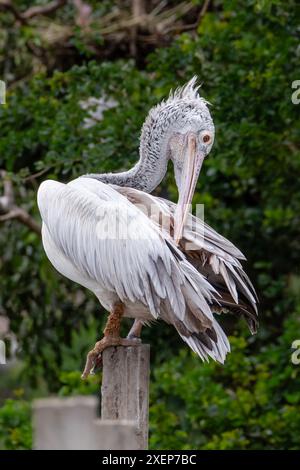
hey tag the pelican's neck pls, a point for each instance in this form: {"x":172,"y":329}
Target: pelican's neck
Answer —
{"x":162,"y":121}
{"x":149,"y":171}
{"x":139,"y":177}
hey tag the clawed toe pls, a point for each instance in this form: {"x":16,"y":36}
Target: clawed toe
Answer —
{"x":94,"y":357}
{"x":97,"y":364}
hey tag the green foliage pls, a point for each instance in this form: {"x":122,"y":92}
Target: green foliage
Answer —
{"x":252,"y":402}
{"x":15,"y":425}
{"x":43,"y":125}
{"x":72,"y":384}
{"x":47,"y":42}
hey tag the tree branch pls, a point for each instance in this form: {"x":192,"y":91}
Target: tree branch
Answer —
{"x":197,"y":22}
{"x":31,"y":11}
{"x":138,"y":11}
{"x":8,"y":209}
{"x":23,"y":217}
{"x":7,"y":200}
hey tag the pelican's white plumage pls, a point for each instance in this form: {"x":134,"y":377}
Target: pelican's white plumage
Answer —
{"x":145,"y":270}
{"x":98,"y":231}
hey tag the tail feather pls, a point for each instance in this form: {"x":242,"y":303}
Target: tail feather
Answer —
{"x":198,"y":328}
{"x":215,"y":350}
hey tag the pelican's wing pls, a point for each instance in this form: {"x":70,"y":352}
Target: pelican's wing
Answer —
{"x":211,"y":254}
{"x":109,"y":240}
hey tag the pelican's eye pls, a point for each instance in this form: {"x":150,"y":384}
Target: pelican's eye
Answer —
{"x":206,"y":138}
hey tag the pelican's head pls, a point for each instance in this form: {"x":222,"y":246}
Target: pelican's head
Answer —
{"x":190,"y":141}
{"x":181,"y":129}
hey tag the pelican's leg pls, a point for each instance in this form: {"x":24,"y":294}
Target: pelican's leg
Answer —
{"x":135,"y":330}
{"x":111,"y":338}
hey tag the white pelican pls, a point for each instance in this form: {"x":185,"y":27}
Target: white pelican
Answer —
{"x":147,"y":273}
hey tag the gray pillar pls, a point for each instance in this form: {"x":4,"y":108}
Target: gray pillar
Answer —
{"x":125,"y":387}
{"x":63,"y":423}
{"x":71,"y":424}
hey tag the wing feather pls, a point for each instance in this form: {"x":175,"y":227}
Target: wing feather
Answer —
{"x":103,"y":233}
{"x":212,"y":255}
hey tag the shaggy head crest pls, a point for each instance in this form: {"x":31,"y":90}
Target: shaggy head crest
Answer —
{"x":184,"y":101}
{"x":189,"y":91}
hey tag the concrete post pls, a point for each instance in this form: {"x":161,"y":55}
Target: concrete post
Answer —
{"x":70,"y":424}
{"x":125,"y":387}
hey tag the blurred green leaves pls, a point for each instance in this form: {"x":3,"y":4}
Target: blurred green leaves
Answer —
{"x":15,"y":425}
{"x":250,"y":403}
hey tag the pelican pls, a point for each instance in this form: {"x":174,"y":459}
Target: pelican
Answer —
{"x":99,"y":231}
